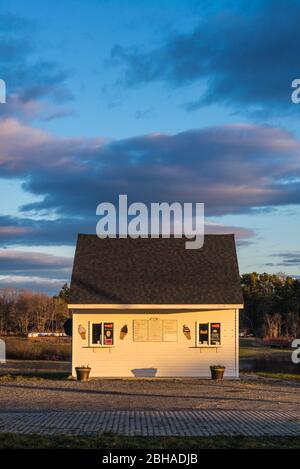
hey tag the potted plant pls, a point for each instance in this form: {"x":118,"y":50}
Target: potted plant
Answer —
{"x":83,"y":373}
{"x":217,"y":371}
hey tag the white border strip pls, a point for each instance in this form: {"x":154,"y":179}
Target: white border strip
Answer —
{"x":154,"y":306}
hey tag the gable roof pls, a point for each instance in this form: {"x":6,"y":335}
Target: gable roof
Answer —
{"x":155,"y":271}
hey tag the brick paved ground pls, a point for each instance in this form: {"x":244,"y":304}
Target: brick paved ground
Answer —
{"x":156,"y":423}
{"x":190,"y":407}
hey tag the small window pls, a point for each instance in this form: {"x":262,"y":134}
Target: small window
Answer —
{"x":96,"y":334}
{"x":102,"y":334}
{"x":208,"y":334}
{"x":203,"y":331}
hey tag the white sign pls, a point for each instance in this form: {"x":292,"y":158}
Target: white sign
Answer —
{"x":2,"y":92}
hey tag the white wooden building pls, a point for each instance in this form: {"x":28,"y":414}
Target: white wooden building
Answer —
{"x":151,"y":308}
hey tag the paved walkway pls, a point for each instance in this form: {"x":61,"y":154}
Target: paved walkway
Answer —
{"x":156,"y":423}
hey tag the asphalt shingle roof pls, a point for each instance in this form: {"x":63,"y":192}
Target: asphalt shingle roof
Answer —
{"x":155,"y":271}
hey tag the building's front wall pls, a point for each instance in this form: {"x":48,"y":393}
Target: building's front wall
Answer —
{"x":129,"y":358}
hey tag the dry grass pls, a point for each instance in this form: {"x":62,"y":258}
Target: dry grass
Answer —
{"x":38,"y":348}
{"x":279,"y":376}
{"x":36,"y":376}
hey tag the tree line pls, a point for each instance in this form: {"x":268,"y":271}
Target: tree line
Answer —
{"x":24,"y":311}
{"x":272,"y":305}
{"x":272,"y":308}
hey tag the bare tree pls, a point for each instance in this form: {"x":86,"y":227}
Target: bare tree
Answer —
{"x":8,"y":299}
{"x":293,"y":324}
{"x":24,"y":311}
{"x":273,"y":324}
{"x":41,"y":308}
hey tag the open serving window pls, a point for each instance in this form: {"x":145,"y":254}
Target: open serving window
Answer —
{"x":101,"y":334}
{"x":208,"y":334}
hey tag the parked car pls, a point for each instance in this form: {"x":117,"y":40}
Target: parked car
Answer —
{"x":280,"y":342}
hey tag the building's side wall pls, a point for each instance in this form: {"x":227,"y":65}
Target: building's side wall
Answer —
{"x":162,"y":359}
{"x":237,"y":341}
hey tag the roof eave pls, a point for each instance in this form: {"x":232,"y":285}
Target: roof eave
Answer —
{"x":115,"y":306}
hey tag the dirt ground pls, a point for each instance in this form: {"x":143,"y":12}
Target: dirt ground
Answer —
{"x":248,"y":393}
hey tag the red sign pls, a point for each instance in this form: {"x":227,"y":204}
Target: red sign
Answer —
{"x":108,"y":333}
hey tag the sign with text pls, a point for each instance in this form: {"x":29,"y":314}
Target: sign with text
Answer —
{"x":140,"y":330}
{"x":170,"y":329}
{"x":108,"y":333}
{"x":155,"y":330}
{"x":215,"y":333}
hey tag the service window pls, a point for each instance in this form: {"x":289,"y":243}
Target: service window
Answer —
{"x":101,"y":334}
{"x":96,"y":335}
{"x":203,"y":331}
{"x":208,"y":334}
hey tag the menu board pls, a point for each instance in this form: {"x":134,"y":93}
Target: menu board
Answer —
{"x":203,"y":334}
{"x":140,"y":330}
{"x":170,"y":330}
{"x":155,"y":330}
{"x":215,"y":333}
{"x":108,"y":333}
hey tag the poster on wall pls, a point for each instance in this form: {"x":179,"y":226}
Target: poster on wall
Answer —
{"x":170,"y":330}
{"x":108,"y":333}
{"x":215,"y":333}
{"x":140,"y":330}
{"x":155,"y":330}
{"x":203,"y":334}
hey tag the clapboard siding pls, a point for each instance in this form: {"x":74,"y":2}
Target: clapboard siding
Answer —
{"x":166,"y":359}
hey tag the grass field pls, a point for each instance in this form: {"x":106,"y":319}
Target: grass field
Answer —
{"x":261,"y":352}
{"x":16,"y":441}
{"x":35,"y":376}
{"x":251,"y":347}
{"x":38,"y":348}
{"x":281,"y":376}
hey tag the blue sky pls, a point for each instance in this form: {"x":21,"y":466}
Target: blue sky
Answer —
{"x":182,"y":100}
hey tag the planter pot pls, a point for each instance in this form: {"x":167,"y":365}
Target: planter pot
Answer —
{"x":217,"y":372}
{"x":82,"y":373}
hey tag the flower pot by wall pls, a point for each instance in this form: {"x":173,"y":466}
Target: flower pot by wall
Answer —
{"x":82,"y":373}
{"x":217,"y":372}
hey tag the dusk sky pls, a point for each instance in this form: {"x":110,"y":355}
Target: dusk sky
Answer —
{"x":164,"y":101}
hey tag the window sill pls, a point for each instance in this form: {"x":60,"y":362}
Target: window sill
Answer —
{"x":207,"y":346}
{"x":98,"y":346}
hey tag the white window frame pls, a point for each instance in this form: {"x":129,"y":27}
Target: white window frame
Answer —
{"x":102,"y":345}
{"x":209,"y":345}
